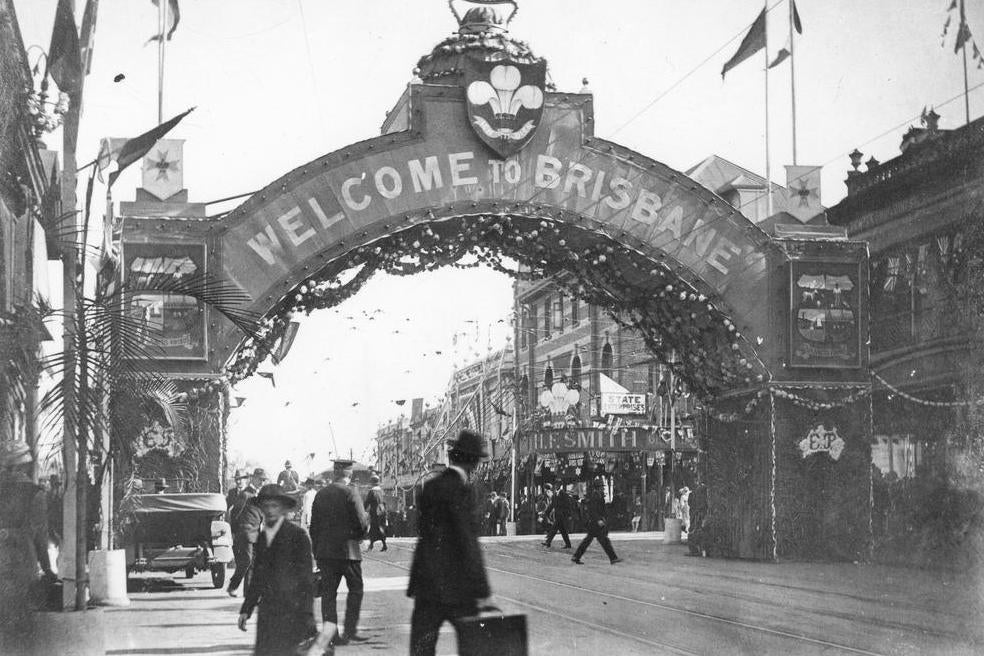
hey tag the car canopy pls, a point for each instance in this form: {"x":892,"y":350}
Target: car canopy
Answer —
{"x":190,"y":502}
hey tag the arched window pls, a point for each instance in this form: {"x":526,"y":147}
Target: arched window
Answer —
{"x":607,"y":359}
{"x":524,"y":387}
{"x":548,"y":376}
{"x":576,"y":372}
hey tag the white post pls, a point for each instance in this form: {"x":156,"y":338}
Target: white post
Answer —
{"x":768,"y":172}
{"x":792,"y":74}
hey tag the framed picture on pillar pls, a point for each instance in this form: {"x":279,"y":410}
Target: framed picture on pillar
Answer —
{"x":825,"y":314}
{"x":174,"y":324}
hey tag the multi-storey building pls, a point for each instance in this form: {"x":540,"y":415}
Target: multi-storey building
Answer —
{"x":29,"y":206}
{"x":920,"y":213}
{"x":562,"y":339}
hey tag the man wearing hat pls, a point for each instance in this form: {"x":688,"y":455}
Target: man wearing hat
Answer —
{"x":307,"y":501}
{"x":562,"y":508}
{"x":288,"y":478}
{"x":245,"y":519}
{"x":447,"y":577}
{"x":597,"y":526}
{"x":282,"y":579}
{"x":377,"y":513}
{"x":257,"y":480}
{"x":161,"y":486}
{"x":233,"y":495}
{"x":338,"y":525}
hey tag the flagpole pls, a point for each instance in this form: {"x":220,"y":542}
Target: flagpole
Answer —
{"x":162,"y":20}
{"x":768,"y":172}
{"x":960,"y":33}
{"x":792,"y":74}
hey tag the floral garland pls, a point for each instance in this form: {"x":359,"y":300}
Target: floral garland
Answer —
{"x":635,"y":289}
{"x":925,"y":402}
{"x":785,"y":393}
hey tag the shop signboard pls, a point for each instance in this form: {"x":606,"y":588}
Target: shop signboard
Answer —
{"x":597,"y":442}
{"x":174,"y":324}
{"x":825,"y":322}
{"x":623,"y":404}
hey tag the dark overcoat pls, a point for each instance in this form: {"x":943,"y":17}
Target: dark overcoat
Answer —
{"x":338,"y":523}
{"x":283,"y":577}
{"x":447,"y":563}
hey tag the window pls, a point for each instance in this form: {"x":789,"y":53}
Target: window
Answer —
{"x":533,"y":324}
{"x":524,"y":326}
{"x":548,"y":376}
{"x":546,"y":318}
{"x":607,"y":359}
{"x":558,"y":314}
{"x":576,"y":372}
{"x":524,"y":387}
{"x":575,"y":311}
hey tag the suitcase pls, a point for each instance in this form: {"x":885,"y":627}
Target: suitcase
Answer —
{"x":492,"y":634}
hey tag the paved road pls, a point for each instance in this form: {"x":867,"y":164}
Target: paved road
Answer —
{"x":659,"y":601}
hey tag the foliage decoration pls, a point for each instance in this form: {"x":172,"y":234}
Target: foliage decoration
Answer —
{"x":636,"y":289}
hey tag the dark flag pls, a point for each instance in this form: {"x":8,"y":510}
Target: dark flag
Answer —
{"x":64,"y":56}
{"x":173,"y":15}
{"x":796,"y":17}
{"x":752,"y":43}
{"x":781,"y":56}
{"x":137,"y":147}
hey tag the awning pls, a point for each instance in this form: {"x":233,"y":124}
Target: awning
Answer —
{"x":160,"y":503}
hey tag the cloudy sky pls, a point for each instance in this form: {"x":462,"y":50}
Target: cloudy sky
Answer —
{"x":280,"y":82}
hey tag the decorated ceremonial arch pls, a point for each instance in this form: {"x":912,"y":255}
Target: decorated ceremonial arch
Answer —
{"x":482,"y":164}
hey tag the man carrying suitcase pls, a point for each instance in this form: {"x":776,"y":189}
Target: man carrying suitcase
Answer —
{"x":447,"y":578}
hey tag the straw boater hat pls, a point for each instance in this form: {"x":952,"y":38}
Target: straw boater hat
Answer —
{"x":14,"y":454}
{"x":272,"y":491}
{"x":469,"y":443}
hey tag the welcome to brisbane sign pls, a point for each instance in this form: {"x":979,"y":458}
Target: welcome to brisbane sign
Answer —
{"x":439,"y":168}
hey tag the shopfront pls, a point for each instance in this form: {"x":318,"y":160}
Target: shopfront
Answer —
{"x":640,"y":462}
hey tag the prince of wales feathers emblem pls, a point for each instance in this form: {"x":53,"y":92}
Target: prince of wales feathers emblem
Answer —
{"x":505,"y":102}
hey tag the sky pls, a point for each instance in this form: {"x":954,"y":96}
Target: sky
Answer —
{"x":278,"y":83}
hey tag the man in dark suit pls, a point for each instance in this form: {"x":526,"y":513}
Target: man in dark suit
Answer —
{"x":597,"y":525}
{"x":562,"y":507}
{"x":282,"y":579}
{"x":447,"y":577}
{"x":338,"y":525}
{"x":245,"y":518}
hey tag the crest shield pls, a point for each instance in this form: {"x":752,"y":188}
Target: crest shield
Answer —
{"x":505,"y":102}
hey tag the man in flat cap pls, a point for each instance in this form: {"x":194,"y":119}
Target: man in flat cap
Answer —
{"x":282,"y":579}
{"x":338,"y":525}
{"x":448,"y":579}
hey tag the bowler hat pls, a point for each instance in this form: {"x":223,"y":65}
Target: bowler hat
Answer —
{"x":259,"y":472}
{"x":272,"y":491}
{"x":469,"y":443}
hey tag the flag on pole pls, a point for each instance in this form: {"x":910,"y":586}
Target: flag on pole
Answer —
{"x":787,"y":50}
{"x":752,"y":43}
{"x":174,"y":17}
{"x":964,"y":35}
{"x":87,"y":34}
{"x":64,"y":55}
{"x":109,"y":151}
{"x":803,"y":192}
{"x":137,"y":147}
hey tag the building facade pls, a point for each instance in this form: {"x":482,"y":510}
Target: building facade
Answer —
{"x":921,"y":214}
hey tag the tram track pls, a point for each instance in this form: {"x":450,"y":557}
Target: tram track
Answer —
{"x":662,"y":606}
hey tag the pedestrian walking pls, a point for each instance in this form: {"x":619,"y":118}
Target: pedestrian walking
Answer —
{"x":562,"y":507}
{"x":489,"y":515}
{"x":447,"y":578}
{"x":376,"y":508}
{"x":241,"y":479}
{"x":288,"y":478}
{"x":245,"y":519}
{"x":307,"y":501}
{"x":501,"y":513}
{"x":282,"y":579}
{"x":597,"y":525}
{"x":542,"y":503}
{"x":338,"y":526}
{"x":698,"y":513}
{"x":684,"y":512}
